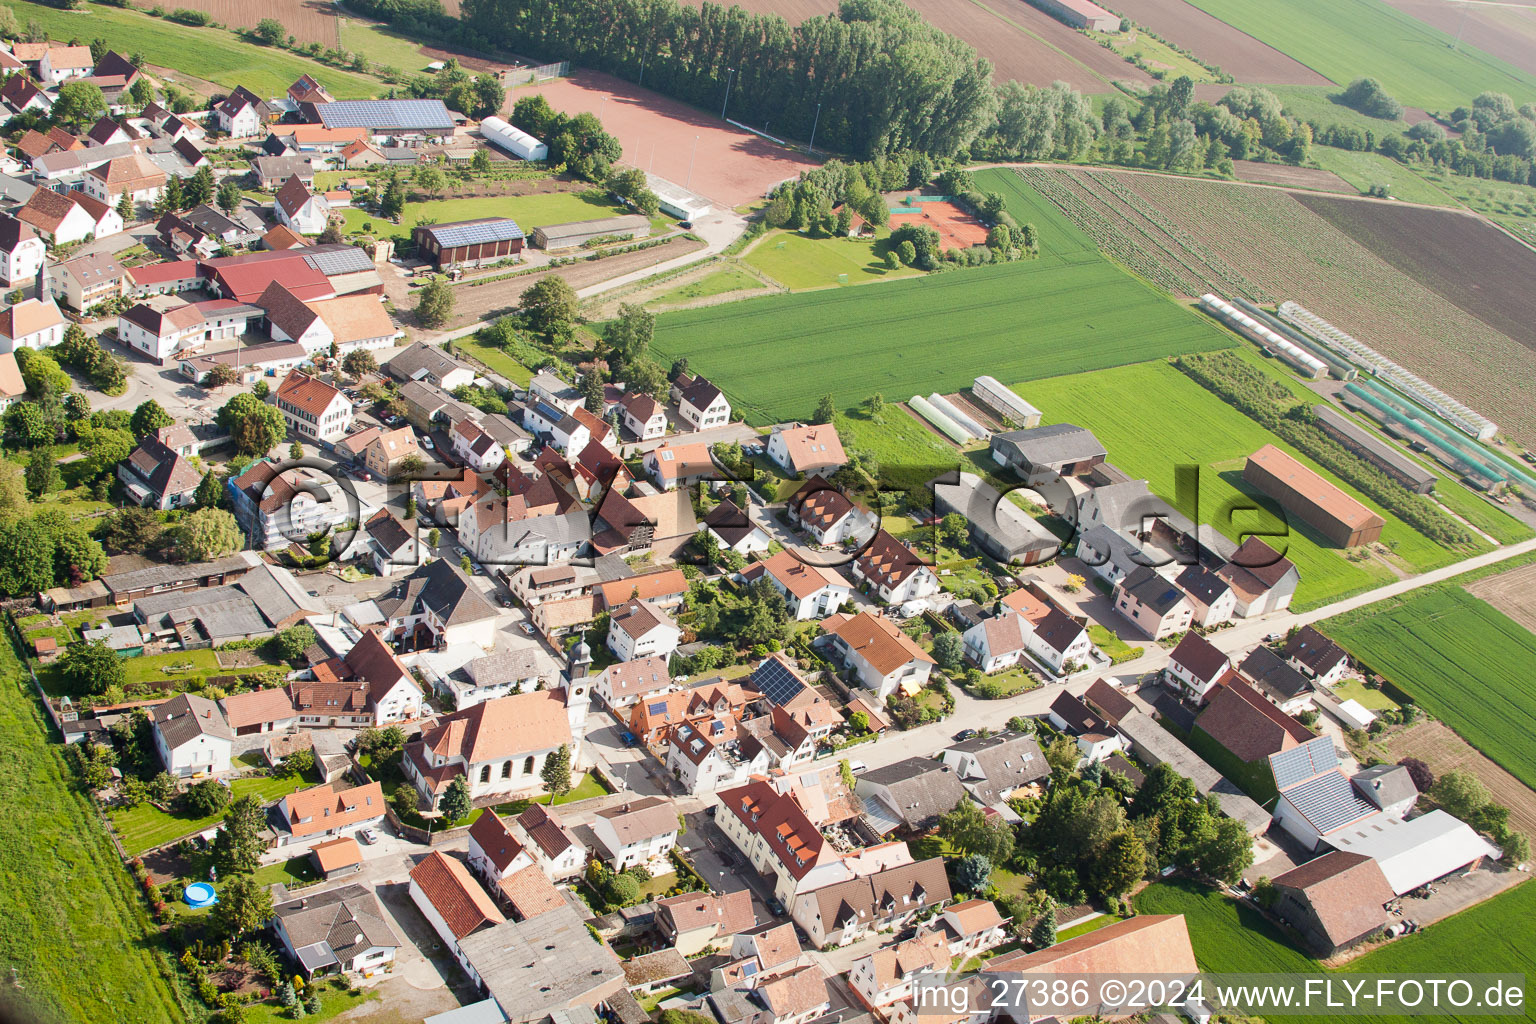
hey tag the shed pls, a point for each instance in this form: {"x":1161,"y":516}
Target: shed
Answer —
{"x":575,"y":233}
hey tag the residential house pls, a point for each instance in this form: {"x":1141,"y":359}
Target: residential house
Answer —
{"x":321,"y":812}
{"x":21,"y":252}
{"x":391,"y":545}
{"x":337,"y":929}
{"x":996,"y":525}
{"x":884,"y":900}
{"x":1335,"y":901}
{"x":495,"y":852}
{"x":551,"y":843}
{"x":478,"y":449}
{"x":806,"y":449}
{"x":454,"y":904}
{"x":276,"y":507}
{"x":638,"y":630}
{"x":260,"y":711}
{"x":107,"y":131}
{"x":296,"y":207}
{"x":881,"y":657}
{"x":910,"y":795}
{"x":1274,"y":677}
{"x":700,"y":403}
{"x":894,"y":572}
{"x":671,"y":466}
{"x":271,"y":171}
{"x":65,"y":218}
{"x":886,"y":975}
{"x":191,"y":736}
{"x":158,"y":477}
{"x":992,"y":768}
{"x":438,"y":606}
{"x":996,"y":643}
{"x":12,"y":388}
{"x":695,"y":921}
{"x":431,"y":364}
{"x":61,"y":63}
{"x":134,"y":175}
{"x":645,"y":417}
{"x":241,"y":114}
{"x":536,"y":584}
{"x":734,"y":530}
{"x":1145,"y":944}
{"x":1212,"y":600}
{"x":972,"y":927}
{"x":392,"y":693}
{"x":314,"y":410}
{"x":31,"y":323}
{"x":380,"y":451}
{"x":652,"y":720}
{"x":1096,"y":739}
{"x":1263,"y":580}
{"x":665,"y":590}
{"x":1153,"y":604}
{"x":86,"y":281}
{"x":444,"y":498}
{"x":468,"y":676}
{"x":1315,"y":656}
{"x":827,"y":514}
{"x":1247,"y":725}
{"x":811,"y":591}
{"x":627,"y":683}
{"x":793,"y":997}
{"x":506,"y":532}
{"x":1320,"y":803}
{"x":20,"y":94}
{"x":1195,"y":666}
{"x":637,"y":833}
{"x":498,"y":746}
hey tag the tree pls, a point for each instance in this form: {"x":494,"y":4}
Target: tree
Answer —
{"x":270,"y":31}
{"x":1062,"y":755}
{"x":480,"y":163}
{"x":1460,"y":793}
{"x":627,"y":338}
{"x":295,"y":640}
{"x":970,"y":831}
{"x":104,"y":449}
{"x":455,"y":803}
{"x":1228,"y":850}
{"x":1423,"y":778}
{"x":78,"y":103}
{"x":592,"y":393}
{"x":359,"y":363}
{"x":206,"y":798}
{"x":43,"y":476}
{"x":435,"y":303}
{"x":141,"y":93}
{"x":255,"y":426}
{"x":208,"y":533}
{"x":296,"y":451}
{"x":148,"y":418}
{"x":90,"y":666}
{"x":244,"y":906}
{"x":125,"y":207}
{"x":221,"y":375}
{"x":13,"y":489}
{"x":1043,"y":934}
{"x":825,"y":410}
{"x":1367,"y":96}
{"x":953,"y":529}
{"x":972,"y":873}
{"x":430,"y":179}
{"x":557,"y":772}
{"x":550,"y":308}
{"x":229,"y":195}
{"x":210,"y":492}
{"x":41,"y":374}
{"x":26,"y":558}
{"x":646,"y":377}
{"x":1122,"y":864}
{"x":237,"y":847}
{"x":132,"y":529}
{"x":948,"y":650}
{"x":299,"y":763}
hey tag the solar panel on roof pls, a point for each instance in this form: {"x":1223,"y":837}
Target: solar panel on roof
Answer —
{"x":1310,"y":758}
{"x":341,"y":260}
{"x":503,"y":230}
{"x":658,"y":708}
{"x":1329,"y":801}
{"x":776,"y":682}
{"x":385,"y":114}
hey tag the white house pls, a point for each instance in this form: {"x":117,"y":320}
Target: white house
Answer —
{"x":343,"y":928}
{"x":391,"y":546}
{"x":1096,"y":739}
{"x":639,"y":832}
{"x":626,"y":684}
{"x":393,"y":695}
{"x":31,"y":324}
{"x":734,"y":529}
{"x":1153,"y":604}
{"x":134,"y":175}
{"x":1212,"y":600}
{"x":973,"y":927}
{"x":495,"y":852}
{"x":807,"y":449}
{"x":300,"y":209}
{"x":880,"y":655}
{"x":554,"y":847}
{"x":61,"y":63}
{"x":996,"y":643}
{"x":893,"y":571}
{"x":811,"y":591}
{"x":700,"y":403}
{"x":192,"y":737}
{"x":240,"y":115}
{"x":479,"y":450}
{"x":454,"y":904}
{"x":644,"y":416}
{"x":21,"y":251}
{"x":1316,"y":657}
{"x":315,"y":410}
{"x":1195,"y":666}
{"x":886,"y":975}
{"x":638,"y":630}
{"x":828,"y":515}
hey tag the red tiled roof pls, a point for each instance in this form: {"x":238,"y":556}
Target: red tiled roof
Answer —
{"x":454,"y":894}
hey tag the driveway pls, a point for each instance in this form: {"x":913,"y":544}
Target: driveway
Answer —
{"x":629,"y":765}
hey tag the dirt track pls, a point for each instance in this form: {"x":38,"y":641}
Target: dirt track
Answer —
{"x":1437,"y":746}
{"x":1513,"y":593}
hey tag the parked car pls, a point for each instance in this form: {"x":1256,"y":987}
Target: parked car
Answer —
{"x":368,"y":835}
{"x":427,"y":443}
{"x":526,"y":628}
{"x":965,"y":734}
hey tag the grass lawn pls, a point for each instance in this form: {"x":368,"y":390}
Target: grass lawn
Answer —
{"x":209,"y":53}
{"x":1363,"y":170}
{"x":1354,"y":689}
{"x":381,"y":45}
{"x":495,"y":357}
{"x":146,"y":827}
{"x":529,"y":211}
{"x":1231,"y":937}
{"x":1102,"y":921}
{"x":76,"y":932}
{"x":1463,"y":660}
{"x":897,"y":440}
{"x":1110,"y":643}
{"x":293,"y":872}
{"x":799,"y":262}
{"x":1133,"y":410}
{"x":1487,"y":517}
{"x":584,"y":788}
{"x":719,"y":282}
{"x":334,"y":1002}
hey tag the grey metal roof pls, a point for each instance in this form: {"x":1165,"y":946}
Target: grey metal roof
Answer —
{"x":474,"y":232}
{"x":187,"y":716}
{"x":1379,"y":449}
{"x":385,"y":115}
{"x":1053,"y":445}
{"x":422,"y":358}
{"x":919,"y":790}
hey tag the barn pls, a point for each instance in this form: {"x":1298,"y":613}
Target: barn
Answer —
{"x":1313,"y":500}
{"x":1080,"y":14}
{"x":567,"y":236}
{"x":469,"y":243}
{"x":1386,"y":457}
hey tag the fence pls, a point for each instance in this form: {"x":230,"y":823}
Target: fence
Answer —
{"x":542,"y":73}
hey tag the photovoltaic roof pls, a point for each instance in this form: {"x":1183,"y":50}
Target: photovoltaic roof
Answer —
{"x":1301,"y":763}
{"x":476,"y":232}
{"x":776,"y":682}
{"x":385,"y":114}
{"x":1329,"y":801}
{"x":343,"y":259}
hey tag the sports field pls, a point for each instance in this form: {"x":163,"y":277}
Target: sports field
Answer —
{"x":208,"y":53}
{"x":776,"y":356}
{"x":957,"y":229}
{"x":529,"y":211}
{"x":800,"y":263}
{"x":1345,"y":39}
{"x":1228,"y":936}
{"x":1463,"y":660}
{"x":1152,"y":418}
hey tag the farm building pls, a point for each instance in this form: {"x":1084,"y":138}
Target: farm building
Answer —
{"x":469,"y":243}
{"x":1315,"y":501}
{"x":383,"y":117}
{"x":567,"y":236}
{"x":1005,"y":402}
{"x":1080,"y":14}
{"x":1373,"y":449}
{"x":676,"y":201}
{"x":1040,"y":454}
{"x":999,"y":527}
{"x":513,"y":140}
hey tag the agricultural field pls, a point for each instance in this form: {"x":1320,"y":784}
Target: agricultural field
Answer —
{"x":1190,"y":236}
{"x":1059,"y":237}
{"x":1214,"y":41}
{"x":216,"y":56}
{"x":381,"y":44}
{"x":1155,"y":53}
{"x":1323,"y":104}
{"x":1413,"y":61}
{"x":1229,"y":936}
{"x":898,"y":439}
{"x":1362,"y":170}
{"x":76,"y":933}
{"x":1438,"y":746}
{"x":800,"y":263}
{"x":308,"y":21}
{"x":716,"y":282}
{"x":1512,"y":592}
{"x":1130,"y":408}
{"x":1506,"y":31}
{"x":1290,"y":176}
{"x":776,"y":356}
{"x":1512,"y":207}
{"x":1461,"y":659}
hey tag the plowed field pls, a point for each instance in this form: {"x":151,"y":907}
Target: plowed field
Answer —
{"x":1506,"y":31}
{"x":309,"y":21}
{"x":1213,"y":40}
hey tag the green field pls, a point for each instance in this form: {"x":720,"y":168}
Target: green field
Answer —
{"x":1363,"y":170}
{"x":1229,"y":937}
{"x":495,"y":357}
{"x":899,"y":438}
{"x":146,"y":827}
{"x":209,"y":53}
{"x":718,"y":282}
{"x":381,"y":45}
{"x":529,"y":211}
{"x":1157,"y":54}
{"x":1152,"y":418}
{"x":1463,"y":660}
{"x":1068,"y":311}
{"x":800,"y":263}
{"x":1345,"y":39}
{"x":75,"y":930}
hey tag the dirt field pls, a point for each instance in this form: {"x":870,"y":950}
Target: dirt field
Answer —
{"x":1470,"y":263}
{"x":730,"y":166}
{"x":1213,"y":40}
{"x":957,"y":229}
{"x":487,"y":302}
{"x":310,"y":21}
{"x":1513,"y":593}
{"x":1291,"y":177}
{"x":1505,"y":31}
{"x":1437,"y":746}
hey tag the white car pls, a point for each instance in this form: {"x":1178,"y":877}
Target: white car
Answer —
{"x":368,"y":835}
{"x":426,"y":442}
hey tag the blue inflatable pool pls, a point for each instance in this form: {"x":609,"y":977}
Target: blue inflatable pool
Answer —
{"x":200,"y":894}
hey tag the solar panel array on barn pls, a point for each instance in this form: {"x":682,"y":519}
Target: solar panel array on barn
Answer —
{"x":474,"y":232}
{"x":386,"y":116}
